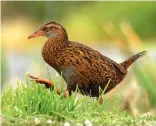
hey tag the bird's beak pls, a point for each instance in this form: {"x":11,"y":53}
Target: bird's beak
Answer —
{"x":35,"y":34}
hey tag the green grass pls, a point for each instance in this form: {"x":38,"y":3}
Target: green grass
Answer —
{"x":28,"y":101}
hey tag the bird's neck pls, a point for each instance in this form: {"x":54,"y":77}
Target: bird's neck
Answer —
{"x":53,"y":49}
{"x":59,"y":39}
{"x":57,"y":42}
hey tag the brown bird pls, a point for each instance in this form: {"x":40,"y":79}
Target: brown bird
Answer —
{"x":79,"y":64}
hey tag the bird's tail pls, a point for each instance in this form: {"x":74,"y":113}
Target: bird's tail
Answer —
{"x":132,"y":59}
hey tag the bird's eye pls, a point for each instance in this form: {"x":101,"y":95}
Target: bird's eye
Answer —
{"x":45,"y":28}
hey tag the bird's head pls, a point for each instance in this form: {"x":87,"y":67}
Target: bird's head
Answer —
{"x":50,"y":30}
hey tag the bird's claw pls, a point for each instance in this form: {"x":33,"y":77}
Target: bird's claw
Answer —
{"x":47,"y":83}
{"x":33,"y":78}
{"x":40,"y":80}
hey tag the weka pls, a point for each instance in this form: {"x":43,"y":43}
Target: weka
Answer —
{"x":79,"y":64}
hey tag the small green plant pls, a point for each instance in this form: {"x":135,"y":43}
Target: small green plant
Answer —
{"x":25,"y":103}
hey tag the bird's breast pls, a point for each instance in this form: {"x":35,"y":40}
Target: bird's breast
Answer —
{"x":51,"y":55}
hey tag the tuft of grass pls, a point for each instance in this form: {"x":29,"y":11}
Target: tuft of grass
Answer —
{"x":20,"y":106}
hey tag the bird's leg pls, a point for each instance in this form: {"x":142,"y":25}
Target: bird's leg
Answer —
{"x":59,"y":92}
{"x":44,"y":81}
{"x":100,"y":101}
{"x":48,"y":84}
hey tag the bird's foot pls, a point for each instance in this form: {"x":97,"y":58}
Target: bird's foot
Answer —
{"x":47,"y":83}
{"x":44,"y":81}
{"x":100,"y":100}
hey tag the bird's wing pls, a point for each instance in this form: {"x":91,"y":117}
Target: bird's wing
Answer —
{"x":97,"y":56}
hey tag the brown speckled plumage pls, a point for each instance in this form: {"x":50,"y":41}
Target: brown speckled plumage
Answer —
{"x":79,"y":64}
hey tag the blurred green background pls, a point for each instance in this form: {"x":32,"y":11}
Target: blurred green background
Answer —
{"x":116,"y":29}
